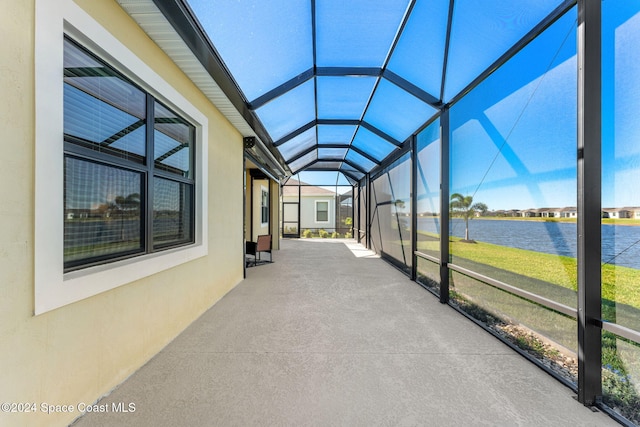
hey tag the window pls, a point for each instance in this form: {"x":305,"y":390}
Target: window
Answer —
{"x":322,"y":211}
{"x":173,"y":225}
{"x":128,"y":169}
{"x":264,"y":206}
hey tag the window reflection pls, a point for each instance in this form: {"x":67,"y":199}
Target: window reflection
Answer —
{"x":102,"y":111}
{"x":513,"y":181}
{"x":429,"y":190}
{"x":172,"y":212}
{"x":391,"y":221}
{"x":172,"y":142}
{"x":512,"y":150}
{"x":621,"y":203}
{"x":101,"y":211}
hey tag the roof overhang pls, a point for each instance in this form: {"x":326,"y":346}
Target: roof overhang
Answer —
{"x":183,"y":41}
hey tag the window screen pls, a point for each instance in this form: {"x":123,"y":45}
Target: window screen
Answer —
{"x":118,"y":200}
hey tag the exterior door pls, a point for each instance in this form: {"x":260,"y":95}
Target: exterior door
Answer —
{"x":290,"y":219}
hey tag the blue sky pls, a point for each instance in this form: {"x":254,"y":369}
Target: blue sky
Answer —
{"x":516,"y":133}
{"x":513,"y":141}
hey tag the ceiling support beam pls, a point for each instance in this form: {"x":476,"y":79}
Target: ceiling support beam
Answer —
{"x":282,"y":89}
{"x":351,"y":147}
{"x":302,"y":154}
{"x":414,"y":90}
{"x":355,"y":166}
{"x":295,"y":133}
{"x":381,"y":134}
{"x":447,"y":42}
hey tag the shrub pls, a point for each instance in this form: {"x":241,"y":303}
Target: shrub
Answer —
{"x":335,"y":235}
{"x":323,"y":233}
{"x":347,"y":235}
{"x":307,"y":234}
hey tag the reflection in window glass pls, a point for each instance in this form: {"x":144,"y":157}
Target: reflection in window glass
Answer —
{"x":101,"y":211}
{"x":172,"y":212}
{"x":513,"y":163}
{"x":621,"y":203}
{"x":102,"y":111}
{"x":428,"y":209}
{"x":172,"y":142}
{"x":429,"y":190}
{"x":344,"y":221}
{"x":362,"y":212}
{"x":108,"y":199}
{"x":391,"y":221}
{"x":513,"y":184}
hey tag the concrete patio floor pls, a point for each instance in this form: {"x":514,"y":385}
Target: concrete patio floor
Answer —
{"x":330,"y":335}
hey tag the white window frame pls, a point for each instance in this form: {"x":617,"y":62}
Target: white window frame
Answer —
{"x":315,"y":212}
{"x":53,"y":287}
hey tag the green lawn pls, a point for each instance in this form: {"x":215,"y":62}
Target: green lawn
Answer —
{"x":620,"y":284}
{"x":554,"y":277}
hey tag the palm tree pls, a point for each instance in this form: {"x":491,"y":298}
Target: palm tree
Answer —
{"x":126,"y":206}
{"x":463,"y":207}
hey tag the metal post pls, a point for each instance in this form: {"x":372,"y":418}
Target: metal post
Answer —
{"x":299,"y":208}
{"x":251,"y":211}
{"x":357,"y":229}
{"x":445,"y":133}
{"x":353,"y":208}
{"x":147,"y":221}
{"x":589,"y":201}
{"x":414,"y":206}
{"x":368,"y":212}
{"x":281,"y":193}
{"x":244,"y":216}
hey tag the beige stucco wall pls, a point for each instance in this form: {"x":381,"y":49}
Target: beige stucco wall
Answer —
{"x":81,"y":351}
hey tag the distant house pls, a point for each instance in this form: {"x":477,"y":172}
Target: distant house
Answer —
{"x":617,"y":213}
{"x":634,"y":212}
{"x":530,"y":213}
{"x":550,"y":212}
{"x":567,"y":212}
{"x":317,"y":207}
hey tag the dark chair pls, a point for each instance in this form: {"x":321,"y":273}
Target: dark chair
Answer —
{"x":263,"y":244}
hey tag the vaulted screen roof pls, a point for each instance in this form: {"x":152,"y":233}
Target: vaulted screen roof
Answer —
{"x":341,"y":85}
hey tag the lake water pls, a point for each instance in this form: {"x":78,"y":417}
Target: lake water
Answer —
{"x":620,"y":244}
